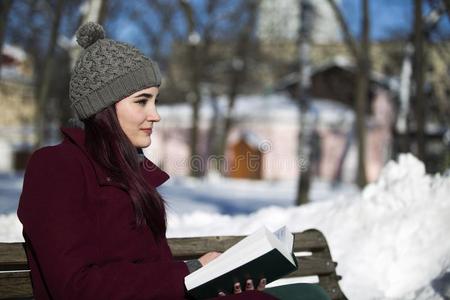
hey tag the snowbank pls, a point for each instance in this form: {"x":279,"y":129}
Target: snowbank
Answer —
{"x":390,"y":241}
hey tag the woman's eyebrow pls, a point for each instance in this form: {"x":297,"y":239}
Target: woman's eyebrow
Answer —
{"x":146,"y":95}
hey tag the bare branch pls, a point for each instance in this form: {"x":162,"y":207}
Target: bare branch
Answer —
{"x":349,"y":39}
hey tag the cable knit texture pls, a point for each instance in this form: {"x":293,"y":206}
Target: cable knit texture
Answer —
{"x":107,"y":71}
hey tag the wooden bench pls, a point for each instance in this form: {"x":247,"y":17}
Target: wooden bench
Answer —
{"x":311,"y":249}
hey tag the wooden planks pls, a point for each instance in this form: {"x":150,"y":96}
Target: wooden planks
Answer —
{"x":15,"y":285}
{"x":12,"y":257}
{"x":318,"y":262}
{"x":193,"y":247}
{"x":311,"y":265}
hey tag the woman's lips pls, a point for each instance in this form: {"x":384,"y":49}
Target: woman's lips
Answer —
{"x":147,"y":130}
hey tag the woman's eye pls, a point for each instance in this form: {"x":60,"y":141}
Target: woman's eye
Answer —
{"x":142,"y":102}
{"x":156,"y":101}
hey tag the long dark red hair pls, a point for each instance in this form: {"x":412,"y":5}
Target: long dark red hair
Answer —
{"x":109,"y":145}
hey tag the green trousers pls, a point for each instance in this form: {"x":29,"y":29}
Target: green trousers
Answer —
{"x":298,"y":291}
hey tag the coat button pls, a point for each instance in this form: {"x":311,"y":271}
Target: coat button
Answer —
{"x":108,"y":179}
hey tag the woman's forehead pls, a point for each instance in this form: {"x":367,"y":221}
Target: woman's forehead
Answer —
{"x":154,"y":90}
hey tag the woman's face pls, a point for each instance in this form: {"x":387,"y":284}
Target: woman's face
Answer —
{"x":137,"y":114}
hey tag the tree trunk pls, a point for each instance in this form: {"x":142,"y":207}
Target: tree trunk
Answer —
{"x":307,"y":120}
{"x":362,"y":95}
{"x":239,"y":69}
{"x":361,"y":98}
{"x":42,"y":101}
{"x":401,"y":132}
{"x":304,"y":151}
{"x":216,"y":159}
{"x":103,"y":13}
{"x":419,"y":80}
{"x":194,"y":96}
{"x":361,"y":58}
{"x":5,"y":7}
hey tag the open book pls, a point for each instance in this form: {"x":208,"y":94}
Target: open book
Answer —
{"x":262,"y":254}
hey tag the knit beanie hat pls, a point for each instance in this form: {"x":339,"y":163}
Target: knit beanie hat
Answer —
{"x":107,"y":71}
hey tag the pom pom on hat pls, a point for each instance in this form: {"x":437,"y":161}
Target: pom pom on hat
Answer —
{"x":89,"y":33}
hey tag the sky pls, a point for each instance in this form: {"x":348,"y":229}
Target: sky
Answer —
{"x":386,"y":17}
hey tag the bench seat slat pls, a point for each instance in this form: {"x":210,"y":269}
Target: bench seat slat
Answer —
{"x":15,"y":285}
{"x":309,"y":265}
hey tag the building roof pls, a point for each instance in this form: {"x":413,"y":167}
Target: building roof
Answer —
{"x":14,"y":65}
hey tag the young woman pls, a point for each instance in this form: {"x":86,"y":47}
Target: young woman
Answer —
{"x":93,"y":222}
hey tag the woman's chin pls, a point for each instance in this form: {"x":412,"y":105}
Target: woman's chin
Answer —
{"x":143,"y":143}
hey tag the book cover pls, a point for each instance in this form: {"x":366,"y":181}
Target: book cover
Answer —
{"x":271,"y":265}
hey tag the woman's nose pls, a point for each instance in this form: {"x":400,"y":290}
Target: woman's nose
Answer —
{"x":153,"y":115}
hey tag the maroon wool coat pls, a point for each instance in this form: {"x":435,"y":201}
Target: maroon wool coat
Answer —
{"x":82,"y":242}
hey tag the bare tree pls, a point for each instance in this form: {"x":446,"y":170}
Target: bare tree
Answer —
{"x":306,"y":117}
{"x":239,"y":65}
{"x":198,"y":53}
{"x":194,"y":97}
{"x":418,"y":73}
{"x":162,"y":25}
{"x":415,"y":61}
{"x":55,"y":11}
{"x":362,"y":60}
{"x":212,"y":57}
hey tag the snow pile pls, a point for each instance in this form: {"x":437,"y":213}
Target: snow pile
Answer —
{"x":390,"y":241}
{"x":10,"y":228}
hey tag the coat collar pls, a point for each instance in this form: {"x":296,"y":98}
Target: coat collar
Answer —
{"x":151,"y":172}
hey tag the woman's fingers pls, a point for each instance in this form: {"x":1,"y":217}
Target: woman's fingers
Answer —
{"x":208,"y":257}
{"x":262,"y":284}
{"x":237,"y":288}
{"x":249,"y":285}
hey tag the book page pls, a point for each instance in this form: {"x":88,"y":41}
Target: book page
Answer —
{"x":285,"y":237}
{"x":280,"y":246}
{"x":280,"y":234}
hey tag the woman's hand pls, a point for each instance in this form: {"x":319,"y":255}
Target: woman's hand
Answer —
{"x":248,"y":286}
{"x":208,"y":257}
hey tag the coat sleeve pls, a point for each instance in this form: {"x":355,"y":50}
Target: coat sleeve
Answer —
{"x":63,"y":238}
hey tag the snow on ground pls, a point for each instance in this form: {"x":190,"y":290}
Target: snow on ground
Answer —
{"x":390,"y":240}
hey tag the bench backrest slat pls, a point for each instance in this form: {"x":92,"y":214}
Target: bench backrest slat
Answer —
{"x":12,"y":257}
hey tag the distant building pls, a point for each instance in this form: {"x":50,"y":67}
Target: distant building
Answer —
{"x":279,"y":20}
{"x":263,"y":141}
{"x":17,"y":105}
{"x":246,"y":157}
{"x":16,"y":87}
